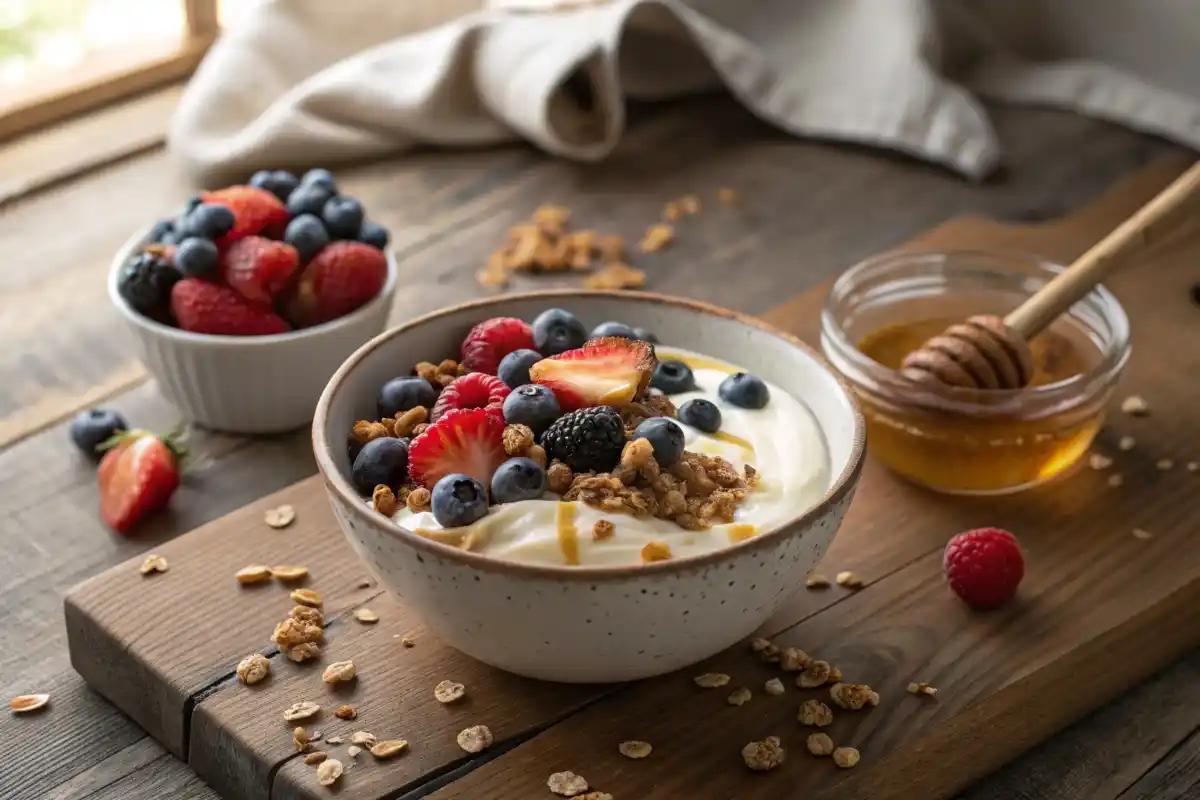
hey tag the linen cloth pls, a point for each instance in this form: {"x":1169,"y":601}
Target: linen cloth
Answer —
{"x":306,"y":82}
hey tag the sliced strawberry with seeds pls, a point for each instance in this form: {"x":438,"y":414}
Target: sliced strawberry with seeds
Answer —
{"x":473,"y":390}
{"x":137,"y":475}
{"x":470,"y":441}
{"x":604,"y":372}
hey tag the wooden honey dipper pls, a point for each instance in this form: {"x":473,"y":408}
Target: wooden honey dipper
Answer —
{"x":987,"y":352}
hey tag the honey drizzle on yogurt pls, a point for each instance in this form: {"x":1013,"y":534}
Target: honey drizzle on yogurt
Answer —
{"x":568,"y":536}
{"x":722,"y":436}
{"x":741,"y":532}
{"x":699,"y":362}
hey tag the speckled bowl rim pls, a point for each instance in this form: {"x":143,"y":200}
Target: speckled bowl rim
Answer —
{"x":221,"y":341}
{"x":340,"y":485}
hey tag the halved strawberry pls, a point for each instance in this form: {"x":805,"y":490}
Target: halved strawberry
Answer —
{"x":138,"y":475}
{"x":468,"y":440}
{"x":612,"y":371}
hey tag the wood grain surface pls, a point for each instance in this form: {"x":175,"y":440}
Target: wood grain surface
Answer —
{"x":811,"y":210}
{"x":1091,"y":588}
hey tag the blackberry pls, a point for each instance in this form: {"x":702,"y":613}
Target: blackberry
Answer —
{"x":145,"y":282}
{"x":590,"y":439}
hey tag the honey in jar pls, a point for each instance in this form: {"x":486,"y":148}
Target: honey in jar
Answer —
{"x":983,"y":441}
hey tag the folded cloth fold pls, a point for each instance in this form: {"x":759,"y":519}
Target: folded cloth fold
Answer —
{"x":303,"y":82}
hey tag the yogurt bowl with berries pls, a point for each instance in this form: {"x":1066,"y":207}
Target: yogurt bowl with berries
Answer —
{"x":245,"y":302}
{"x":575,"y":498}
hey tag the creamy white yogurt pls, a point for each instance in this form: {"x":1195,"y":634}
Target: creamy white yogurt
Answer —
{"x":785,"y":446}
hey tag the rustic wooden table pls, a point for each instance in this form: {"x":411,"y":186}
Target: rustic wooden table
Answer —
{"x":811,"y":210}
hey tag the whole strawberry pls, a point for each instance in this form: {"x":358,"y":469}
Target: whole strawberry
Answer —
{"x":339,"y":279}
{"x":137,"y":475}
{"x":203,"y":307}
{"x":259,"y":268}
{"x":255,"y":211}
{"x":984,"y":567}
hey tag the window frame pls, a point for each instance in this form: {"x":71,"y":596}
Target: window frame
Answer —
{"x":110,"y":77}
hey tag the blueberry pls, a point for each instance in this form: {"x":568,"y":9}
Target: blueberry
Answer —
{"x":320,"y":177}
{"x":307,"y":234}
{"x":744,"y":390}
{"x":701,"y":414}
{"x":645,"y":335}
{"x":343,"y":217}
{"x":191,"y":204}
{"x":308,"y":199}
{"x":557,"y":331}
{"x":145,"y":282}
{"x":197,"y":258}
{"x":280,"y":183}
{"x":673,"y":377}
{"x":208,"y":221}
{"x":261,"y":179}
{"x":374,"y":234}
{"x":665,"y":436}
{"x":514,"y":367}
{"x":401,"y":394}
{"x":379,"y":461}
{"x":90,"y":429}
{"x":458,"y":500}
{"x":161,"y":230}
{"x":612,"y":329}
{"x":532,"y":405}
{"x":518,"y":479}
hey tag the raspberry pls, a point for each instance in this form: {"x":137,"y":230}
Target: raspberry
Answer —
{"x":203,"y":307}
{"x":984,"y":567}
{"x":255,"y":211}
{"x":259,"y":268}
{"x":339,"y":279}
{"x":493,"y":339}
{"x":473,"y":390}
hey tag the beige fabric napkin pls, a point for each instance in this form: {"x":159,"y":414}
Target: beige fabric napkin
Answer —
{"x":305,"y":82}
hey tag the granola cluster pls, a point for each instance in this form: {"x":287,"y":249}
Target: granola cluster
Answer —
{"x":544,"y":244}
{"x":695,"y":493}
{"x":300,"y":634}
{"x":405,"y":423}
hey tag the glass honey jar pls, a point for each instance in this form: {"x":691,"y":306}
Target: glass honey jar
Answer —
{"x":964,"y":441}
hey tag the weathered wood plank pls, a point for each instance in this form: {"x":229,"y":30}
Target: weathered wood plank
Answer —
{"x":73,"y":148}
{"x":67,"y":743}
{"x":1177,"y":777}
{"x":1102,"y":755}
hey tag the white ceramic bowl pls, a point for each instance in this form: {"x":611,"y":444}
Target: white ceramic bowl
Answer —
{"x":248,"y":384}
{"x":593,"y":624}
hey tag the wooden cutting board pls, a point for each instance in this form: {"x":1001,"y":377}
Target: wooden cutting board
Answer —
{"x":1099,"y":610}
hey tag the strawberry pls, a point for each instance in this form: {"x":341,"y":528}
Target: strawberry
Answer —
{"x":473,"y":390}
{"x":604,"y":372}
{"x":339,"y":279}
{"x":138,"y":475}
{"x":203,"y":307}
{"x":493,"y":339}
{"x":259,"y":268}
{"x":468,"y":440}
{"x":984,"y":566}
{"x":255,"y":211}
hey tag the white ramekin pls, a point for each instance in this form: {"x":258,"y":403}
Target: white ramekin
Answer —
{"x":248,"y":384}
